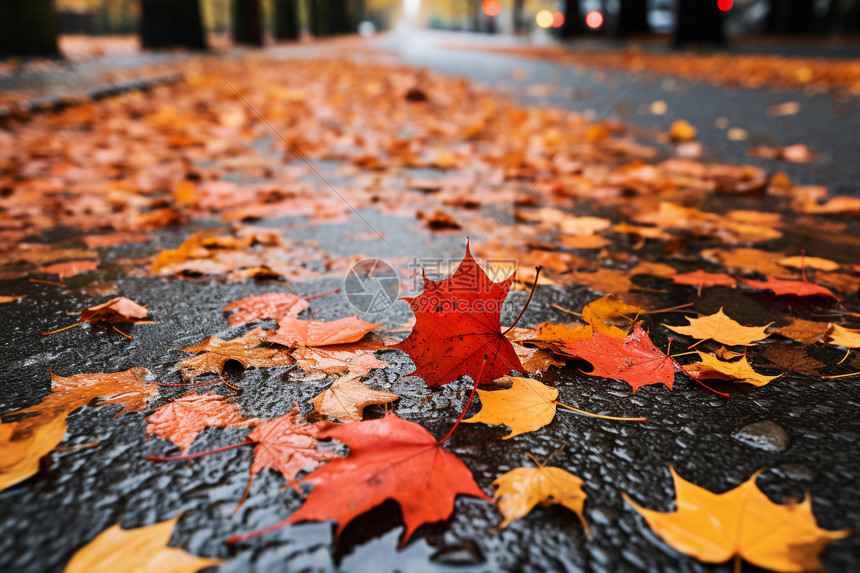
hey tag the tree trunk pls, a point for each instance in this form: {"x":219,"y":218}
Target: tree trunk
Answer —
{"x":248,"y":22}
{"x":632,"y":18}
{"x":698,"y":22}
{"x":318,"y":17}
{"x":169,"y":23}
{"x":286,"y":20}
{"x":573,"y":25}
{"x":28,"y":28}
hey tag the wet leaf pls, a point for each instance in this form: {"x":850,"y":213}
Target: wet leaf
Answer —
{"x":249,"y":350}
{"x":521,"y":489}
{"x":182,"y":419}
{"x":525,"y":407}
{"x":389,"y":458}
{"x":143,"y":550}
{"x":721,"y":328}
{"x":116,"y":310}
{"x":347,"y":397}
{"x":736,"y":371}
{"x":845,"y":337}
{"x":740,"y":523}
{"x":295,"y":332}
{"x":275,"y":305}
{"x":457,"y":330}
{"x":633,"y":359}
{"x":794,"y":288}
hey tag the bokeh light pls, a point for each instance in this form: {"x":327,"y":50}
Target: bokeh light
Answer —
{"x":557,"y":19}
{"x":544,"y":18}
{"x":594,"y":19}
{"x":491,"y":7}
{"x":725,"y":5}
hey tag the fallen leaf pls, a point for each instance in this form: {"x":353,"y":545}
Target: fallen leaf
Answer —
{"x":143,"y":550}
{"x":721,"y":328}
{"x":275,"y":305}
{"x":740,"y":523}
{"x":288,"y":445}
{"x":536,"y":360}
{"x":525,"y":407}
{"x":810,"y":263}
{"x":844,"y":337}
{"x":793,"y":358}
{"x":69,"y":269}
{"x":607,"y":314}
{"x":521,"y":489}
{"x":116,"y":310}
{"x":793,"y":288}
{"x":295,"y":332}
{"x":633,"y":359}
{"x":681,"y":130}
{"x":389,"y":458}
{"x":249,"y":350}
{"x":804,"y":331}
{"x":9,"y":298}
{"x":182,"y":419}
{"x":355,"y":358}
{"x":701,"y":279}
{"x":457,"y":329}
{"x":23,"y":444}
{"x":737,"y":371}
{"x":347,"y":397}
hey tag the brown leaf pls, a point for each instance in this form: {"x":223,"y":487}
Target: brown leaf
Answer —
{"x":250,"y":350}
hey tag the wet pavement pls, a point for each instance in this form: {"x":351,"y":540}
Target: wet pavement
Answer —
{"x":802,"y":428}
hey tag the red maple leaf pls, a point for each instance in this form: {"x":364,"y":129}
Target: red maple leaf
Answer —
{"x":794,"y":288}
{"x":633,"y":359}
{"x":389,"y":458}
{"x":458,"y":330}
{"x":181,"y":420}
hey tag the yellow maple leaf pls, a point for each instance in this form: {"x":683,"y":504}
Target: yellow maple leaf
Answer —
{"x":143,"y":550}
{"x":721,"y":328}
{"x":607,"y":313}
{"x":347,"y":397}
{"x":738,"y":370}
{"x":741,"y":523}
{"x":844,"y":337}
{"x":527,"y":406}
{"x":521,"y":489}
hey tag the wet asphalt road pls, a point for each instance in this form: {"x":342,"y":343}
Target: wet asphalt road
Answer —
{"x":79,"y":493}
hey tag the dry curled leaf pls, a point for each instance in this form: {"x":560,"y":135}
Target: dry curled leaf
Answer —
{"x":736,"y":371}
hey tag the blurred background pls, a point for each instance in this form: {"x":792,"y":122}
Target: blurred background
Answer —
{"x":51,"y":27}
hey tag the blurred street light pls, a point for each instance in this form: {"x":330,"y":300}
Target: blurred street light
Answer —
{"x":544,"y":18}
{"x":491,"y":7}
{"x":557,"y":19}
{"x":594,"y":19}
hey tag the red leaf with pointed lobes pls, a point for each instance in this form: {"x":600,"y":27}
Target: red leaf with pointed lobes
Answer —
{"x":181,"y":420}
{"x":633,"y":359}
{"x":458,"y":330}
{"x":389,"y":458}
{"x":794,"y":288}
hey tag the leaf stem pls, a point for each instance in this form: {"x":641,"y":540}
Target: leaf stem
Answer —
{"x":195,"y":455}
{"x":840,"y":376}
{"x":567,"y":310}
{"x":123,"y":333}
{"x":463,"y":413}
{"x":531,"y":294}
{"x":322,"y":294}
{"x":62,"y":329}
{"x":246,"y":536}
{"x":578,"y":411}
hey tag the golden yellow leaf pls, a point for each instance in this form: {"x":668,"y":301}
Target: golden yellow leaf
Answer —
{"x":521,"y":489}
{"x":844,"y":337}
{"x":739,"y":370}
{"x":721,"y":328}
{"x":143,"y":550}
{"x":23,"y":444}
{"x":553,"y":336}
{"x":526,"y":406}
{"x":606,"y":314}
{"x":347,"y":397}
{"x":810,"y":263}
{"x":741,"y":523}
